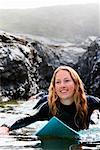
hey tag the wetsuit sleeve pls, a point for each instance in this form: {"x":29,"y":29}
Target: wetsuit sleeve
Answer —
{"x":41,"y":115}
{"x":93,"y":102}
{"x":41,"y":101}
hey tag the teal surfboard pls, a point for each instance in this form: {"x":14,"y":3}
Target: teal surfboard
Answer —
{"x":56,"y":128}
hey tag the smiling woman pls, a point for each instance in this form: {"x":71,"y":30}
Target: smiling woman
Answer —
{"x":66,"y":100}
{"x":23,"y":4}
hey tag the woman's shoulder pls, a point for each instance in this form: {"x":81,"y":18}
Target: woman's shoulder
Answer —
{"x":42,"y":100}
{"x":43,"y":103}
{"x":92,"y":99}
{"x":93,"y":102}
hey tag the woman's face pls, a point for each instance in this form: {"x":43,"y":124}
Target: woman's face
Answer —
{"x":64,"y":87}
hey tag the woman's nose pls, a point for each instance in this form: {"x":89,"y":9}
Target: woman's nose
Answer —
{"x":62,"y":84}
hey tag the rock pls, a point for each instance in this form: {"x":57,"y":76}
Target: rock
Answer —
{"x":27,"y":64}
{"x":88,"y":67}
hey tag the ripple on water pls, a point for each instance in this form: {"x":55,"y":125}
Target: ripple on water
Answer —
{"x":24,"y":138}
{"x":10,"y":142}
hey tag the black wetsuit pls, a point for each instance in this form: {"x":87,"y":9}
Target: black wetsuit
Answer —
{"x":65,"y":113}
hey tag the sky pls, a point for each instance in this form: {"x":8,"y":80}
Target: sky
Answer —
{"x":23,"y":4}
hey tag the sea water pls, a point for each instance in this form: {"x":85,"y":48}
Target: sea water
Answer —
{"x":25,"y":138}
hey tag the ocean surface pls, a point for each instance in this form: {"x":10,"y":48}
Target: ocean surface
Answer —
{"x":25,"y":138}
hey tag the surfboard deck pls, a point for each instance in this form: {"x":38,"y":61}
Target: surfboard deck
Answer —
{"x":56,"y":128}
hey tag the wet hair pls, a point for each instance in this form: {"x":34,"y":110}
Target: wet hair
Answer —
{"x":79,"y":97}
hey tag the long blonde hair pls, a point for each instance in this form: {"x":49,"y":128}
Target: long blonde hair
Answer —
{"x":79,"y":96}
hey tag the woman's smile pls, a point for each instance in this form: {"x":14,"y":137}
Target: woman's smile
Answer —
{"x":64,"y":86}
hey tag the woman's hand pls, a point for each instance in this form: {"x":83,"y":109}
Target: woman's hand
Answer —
{"x":95,"y":117}
{"x":4,"y":130}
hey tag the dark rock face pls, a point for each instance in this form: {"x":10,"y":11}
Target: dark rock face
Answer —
{"x":88,"y":67}
{"x":26,"y":65}
{"x":15,"y":68}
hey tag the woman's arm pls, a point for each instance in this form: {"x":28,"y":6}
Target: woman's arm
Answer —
{"x":93,"y":102}
{"x":4,"y":129}
{"x":24,"y":122}
{"x":41,"y":114}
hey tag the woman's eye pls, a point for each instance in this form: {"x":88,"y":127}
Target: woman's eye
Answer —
{"x":57,"y":82}
{"x":67,"y":80}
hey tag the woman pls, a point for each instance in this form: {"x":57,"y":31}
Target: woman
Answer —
{"x":66,"y":100}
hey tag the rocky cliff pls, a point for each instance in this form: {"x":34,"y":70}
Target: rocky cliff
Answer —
{"x":27,"y":64}
{"x":88,"y":67}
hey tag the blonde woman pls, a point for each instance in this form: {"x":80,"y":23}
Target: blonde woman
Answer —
{"x":66,"y":100}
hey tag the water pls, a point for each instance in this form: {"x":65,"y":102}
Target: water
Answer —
{"x":18,"y":142}
{"x":25,"y":138}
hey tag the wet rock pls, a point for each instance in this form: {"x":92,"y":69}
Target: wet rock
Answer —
{"x":88,"y":67}
{"x":27,"y":64}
